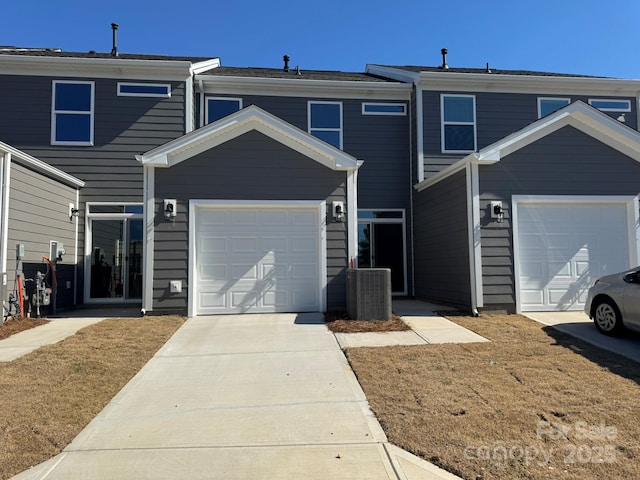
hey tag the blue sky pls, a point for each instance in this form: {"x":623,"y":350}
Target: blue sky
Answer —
{"x":591,"y":37}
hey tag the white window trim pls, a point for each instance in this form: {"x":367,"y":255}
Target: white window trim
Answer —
{"x":399,"y":220}
{"x":627,"y":109}
{"x":88,"y":245}
{"x":555,"y":99}
{"x":397,"y":114}
{"x":55,"y":112}
{"x":154,"y":85}
{"x":206,"y":105}
{"x":311,"y":130}
{"x":443,"y":123}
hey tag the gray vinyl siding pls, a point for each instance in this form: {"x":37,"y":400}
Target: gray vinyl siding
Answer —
{"x":123,"y":128}
{"x":381,"y":141}
{"x":38,"y":213}
{"x":250,"y":167}
{"x":497,"y":115}
{"x":441,"y":242}
{"x":566,"y":162}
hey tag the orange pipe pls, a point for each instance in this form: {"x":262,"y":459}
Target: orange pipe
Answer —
{"x":20,"y":296}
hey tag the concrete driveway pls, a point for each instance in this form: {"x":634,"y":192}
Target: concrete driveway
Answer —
{"x":243,"y":396}
{"x":581,"y":326}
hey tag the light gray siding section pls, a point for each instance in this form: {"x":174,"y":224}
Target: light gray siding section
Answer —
{"x":250,"y":167}
{"x":497,"y":115}
{"x":38,"y":213}
{"x":441,"y":242}
{"x":566,"y":162}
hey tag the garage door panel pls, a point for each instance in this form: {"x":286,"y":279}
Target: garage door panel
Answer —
{"x":258,"y":260}
{"x":564,"y":247}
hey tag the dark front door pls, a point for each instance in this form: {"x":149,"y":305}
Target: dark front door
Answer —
{"x":381,"y":245}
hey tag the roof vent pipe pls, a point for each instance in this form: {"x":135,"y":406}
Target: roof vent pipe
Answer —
{"x":487,"y":69}
{"x":298,"y":72}
{"x":114,"y":49}
{"x":444,"y":59}
{"x":286,"y":63}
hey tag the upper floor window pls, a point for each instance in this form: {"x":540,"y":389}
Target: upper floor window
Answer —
{"x":219,"y":107}
{"x":384,"y":109}
{"x":72,"y":113}
{"x":458,"y":123}
{"x":325,"y":122}
{"x":610,"y":105}
{"x":144,"y":90}
{"x":547,"y":106}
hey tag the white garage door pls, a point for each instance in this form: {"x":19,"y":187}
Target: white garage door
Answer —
{"x":563,"y":248}
{"x":251,"y":259}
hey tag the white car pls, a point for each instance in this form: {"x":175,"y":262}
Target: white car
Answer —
{"x":613,"y":302}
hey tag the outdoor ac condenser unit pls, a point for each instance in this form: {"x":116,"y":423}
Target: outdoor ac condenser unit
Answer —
{"x":369,"y":293}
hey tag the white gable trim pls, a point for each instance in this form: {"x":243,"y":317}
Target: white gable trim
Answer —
{"x":578,"y":115}
{"x":234,"y":125}
{"x":40,"y":166}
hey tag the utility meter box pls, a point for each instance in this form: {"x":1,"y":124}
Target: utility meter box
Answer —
{"x":56,"y":250}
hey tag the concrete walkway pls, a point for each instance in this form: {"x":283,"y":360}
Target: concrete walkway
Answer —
{"x":56,"y":330}
{"x":243,"y":396}
{"x":426,"y":327}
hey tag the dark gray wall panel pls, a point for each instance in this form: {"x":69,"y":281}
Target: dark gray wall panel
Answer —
{"x":566,"y":162}
{"x":250,"y":167}
{"x":497,"y":115}
{"x":441,"y":244}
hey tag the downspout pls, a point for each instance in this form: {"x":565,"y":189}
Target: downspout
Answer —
{"x":410,"y":220}
{"x":4,"y":216}
{"x":75,"y":256}
{"x":475,"y":252}
{"x":419,"y":132}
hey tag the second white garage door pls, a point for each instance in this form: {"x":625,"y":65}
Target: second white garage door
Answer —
{"x":564,"y":247}
{"x":258,"y":259}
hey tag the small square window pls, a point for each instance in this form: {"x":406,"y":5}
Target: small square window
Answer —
{"x":458,"y":123}
{"x":72,"y":113}
{"x":220,"y":107}
{"x":547,"y":106}
{"x":325,"y":122}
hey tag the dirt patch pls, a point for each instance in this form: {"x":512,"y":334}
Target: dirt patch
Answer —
{"x":532,"y":404}
{"x":15,"y":325}
{"x":341,"y":323}
{"x":50,"y":395}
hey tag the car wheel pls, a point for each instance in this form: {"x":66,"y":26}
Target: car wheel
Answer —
{"x":607,"y":318}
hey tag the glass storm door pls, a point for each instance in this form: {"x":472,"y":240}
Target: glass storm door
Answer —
{"x":116,"y":259}
{"x":381,"y":245}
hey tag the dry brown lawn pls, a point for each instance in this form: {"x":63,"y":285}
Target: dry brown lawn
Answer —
{"x":19,"y":324}
{"x":341,"y":323}
{"x":50,"y":395}
{"x":532,"y":404}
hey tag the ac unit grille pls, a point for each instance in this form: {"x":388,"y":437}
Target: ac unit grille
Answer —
{"x":369,"y":293}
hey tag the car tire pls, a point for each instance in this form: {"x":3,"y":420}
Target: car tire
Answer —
{"x":607,"y":318}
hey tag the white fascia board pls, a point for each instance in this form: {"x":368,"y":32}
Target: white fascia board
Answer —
{"x":488,"y":82}
{"x":40,"y":166}
{"x":394,"y":73}
{"x":447,"y":172}
{"x":304,"y":88}
{"x":177,"y":70}
{"x":250,"y":118}
{"x":578,"y":115}
{"x":207,"y":65}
